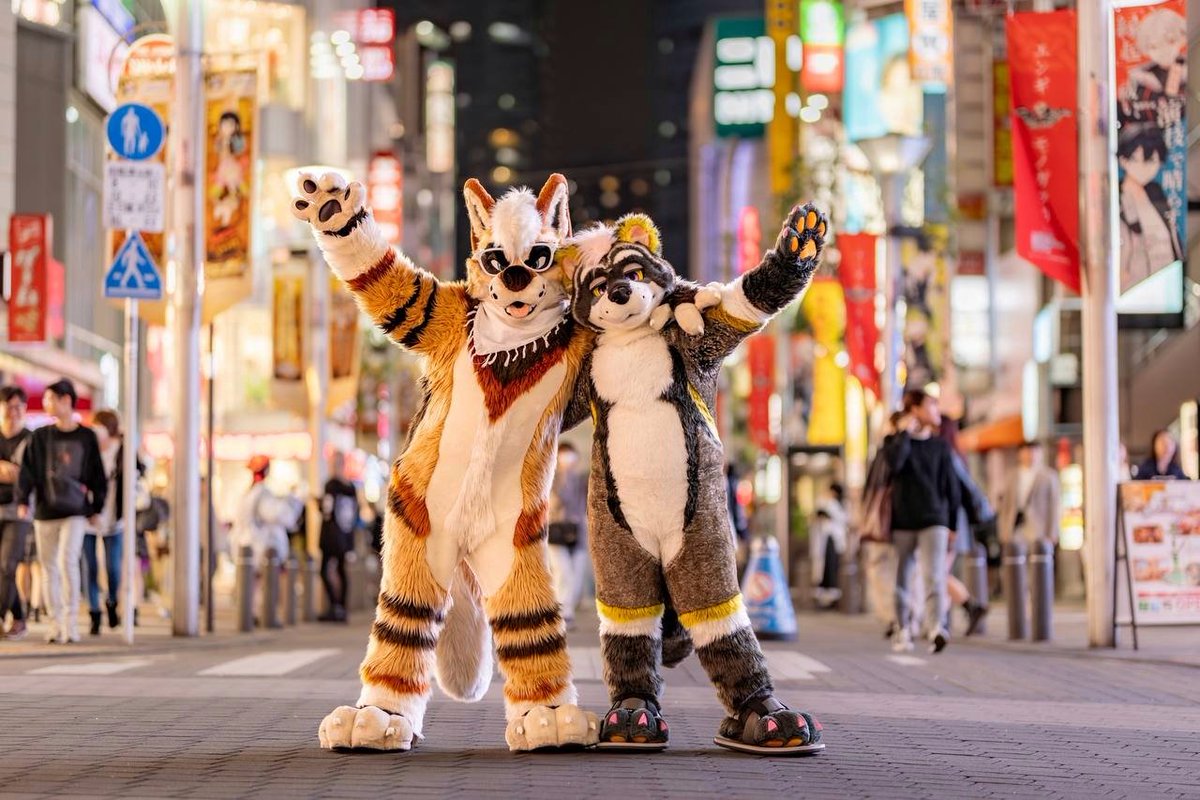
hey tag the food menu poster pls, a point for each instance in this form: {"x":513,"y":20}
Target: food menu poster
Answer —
{"x":1162,"y":538}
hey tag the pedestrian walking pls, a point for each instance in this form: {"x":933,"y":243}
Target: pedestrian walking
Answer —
{"x":924,"y":505}
{"x":827,"y":546}
{"x":874,"y":529}
{"x":339,"y":520}
{"x":1029,"y":507}
{"x":1163,"y":462}
{"x":62,"y":475}
{"x":568,"y":531}
{"x":109,"y":531}
{"x":974,"y":511}
{"x":14,"y":529}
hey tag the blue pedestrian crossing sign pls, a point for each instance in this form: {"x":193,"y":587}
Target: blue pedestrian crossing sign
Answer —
{"x":135,"y":131}
{"x":133,"y":273}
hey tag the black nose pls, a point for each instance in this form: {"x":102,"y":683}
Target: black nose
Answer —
{"x":620,"y":293}
{"x":516,"y":278}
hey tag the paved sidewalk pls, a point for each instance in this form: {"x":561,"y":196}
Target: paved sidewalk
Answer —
{"x":237,"y":718}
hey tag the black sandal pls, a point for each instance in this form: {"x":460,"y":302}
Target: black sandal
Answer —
{"x":764,"y":726}
{"x":633,"y":723}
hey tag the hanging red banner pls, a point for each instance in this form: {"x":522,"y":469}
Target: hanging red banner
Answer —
{"x":30,"y":239}
{"x":1042,"y":66}
{"x":760,"y":357}
{"x":857,"y":274}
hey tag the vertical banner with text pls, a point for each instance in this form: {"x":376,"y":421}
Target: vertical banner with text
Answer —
{"x":1151,"y":81}
{"x":760,"y":358}
{"x":30,"y":239}
{"x":857,"y":274}
{"x":230,"y":117}
{"x":1042,"y":73}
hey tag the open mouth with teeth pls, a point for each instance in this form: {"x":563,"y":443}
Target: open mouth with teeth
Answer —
{"x":518,"y":309}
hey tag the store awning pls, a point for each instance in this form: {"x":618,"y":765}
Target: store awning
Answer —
{"x":1003,"y":432}
{"x":33,"y":367}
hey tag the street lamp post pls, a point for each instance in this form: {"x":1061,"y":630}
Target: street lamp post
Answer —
{"x":892,"y":156}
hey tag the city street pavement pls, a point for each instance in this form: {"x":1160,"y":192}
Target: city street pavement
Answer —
{"x":236,"y":716}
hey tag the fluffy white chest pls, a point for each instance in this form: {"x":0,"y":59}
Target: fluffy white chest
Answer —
{"x":475,"y":488}
{"x":647,"y":451}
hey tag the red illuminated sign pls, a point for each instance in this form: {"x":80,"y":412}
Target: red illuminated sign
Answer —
{"x":385,"y":194}
{"x":29,"y":242}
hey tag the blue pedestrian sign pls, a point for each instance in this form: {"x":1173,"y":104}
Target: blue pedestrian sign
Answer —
{"x":133,"y":273}
{"x":135,"y":131}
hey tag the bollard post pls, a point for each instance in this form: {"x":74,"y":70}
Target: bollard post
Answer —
{"x":245,"y":589}
{"x":356,"y":578}
{"x":977,"y":581}
{"x":850,"y":582}
{"x":1041,"y":567}
{"x":292,"y":589}
{"x":308,"y":589}
{"x":1016,"y":588}
{"x":270,"y":609}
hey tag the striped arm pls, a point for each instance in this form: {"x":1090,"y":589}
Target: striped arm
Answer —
{"x":410,"y":305}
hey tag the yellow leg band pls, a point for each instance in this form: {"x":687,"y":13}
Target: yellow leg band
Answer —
{"x":619,"y":614}
{"x":713,"y":613}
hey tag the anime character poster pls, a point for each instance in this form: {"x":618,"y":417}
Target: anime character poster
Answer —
{"x":1151,"y":74}
{"x":230,"y":113}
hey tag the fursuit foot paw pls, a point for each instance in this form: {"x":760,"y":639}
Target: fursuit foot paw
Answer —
{"x":768,"y":727}
{"x":366,"y":728}
{"x":802,"y":239}
{"x":546,"y":728}
{"x":633,"y":724}
{"x":329,"y":204}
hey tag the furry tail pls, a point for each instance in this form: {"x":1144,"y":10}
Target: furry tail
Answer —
{"x":464,"y":648}
{"x":676,"y":643}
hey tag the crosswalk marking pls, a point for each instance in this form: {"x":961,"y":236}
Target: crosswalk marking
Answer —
{"x":905,"y":661}
{"x":276,"y":663}
{"x":90,"y":667}
{"x":790,"y":665}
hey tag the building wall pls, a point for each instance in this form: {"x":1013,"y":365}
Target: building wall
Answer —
{"x":8,"y":100}
{"x":44,"y":67}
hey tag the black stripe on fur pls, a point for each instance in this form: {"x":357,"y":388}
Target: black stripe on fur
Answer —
{"x":551,"y":644}
{"x":416,"y":641}
{"x":350,"y":225}
{"x":601,"y":442}
{"x":694,"y":426}
{"x":413,"y":336}
{"x":509,"y":623}
{"x":397,"y":317}
{"x":407,"y":610}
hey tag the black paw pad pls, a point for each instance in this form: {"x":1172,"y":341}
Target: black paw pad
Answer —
{"x":330,"y":208}
{"x":309,"y":186}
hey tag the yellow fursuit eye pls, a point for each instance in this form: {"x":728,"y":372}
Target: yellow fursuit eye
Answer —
{"x":638,"y":275}
{"x":597,"y":291}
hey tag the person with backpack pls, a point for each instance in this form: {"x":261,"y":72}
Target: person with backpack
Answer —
{"x":14,"y":530}
{"x":339,"y":519}
{"x":62,"y":474}
{"x":263,"y":518}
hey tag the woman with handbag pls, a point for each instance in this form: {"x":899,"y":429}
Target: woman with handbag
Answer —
{"x":63,"y":475}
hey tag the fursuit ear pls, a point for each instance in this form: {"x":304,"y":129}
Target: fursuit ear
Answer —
{"x":639,"y":229}
{"x":479,"y":210}
{"x":553,"y":206}
{"x":569,"y":258}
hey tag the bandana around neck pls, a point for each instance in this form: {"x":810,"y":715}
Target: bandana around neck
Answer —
{"x":494,"y":334}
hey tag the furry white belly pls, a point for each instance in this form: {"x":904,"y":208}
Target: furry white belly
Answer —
{"x":475,"y":488}
{"x":647,"y":456}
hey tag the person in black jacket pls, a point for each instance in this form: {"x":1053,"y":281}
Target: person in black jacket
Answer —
{"x":1163,"y":461}
{"x":339,"y":519}
{"x":62,"y":474}
{"x":925,"y":503}
{"x":14,"y":531}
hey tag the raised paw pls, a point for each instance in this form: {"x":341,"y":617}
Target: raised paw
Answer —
{"x":633,"y":724}
{"x":689,"y":319}
{"x":366,"y":728}
{"x":803,"y":236}
{"x":710,"y":295}
{"x":328,"y":203}
{"x":544,"y":728}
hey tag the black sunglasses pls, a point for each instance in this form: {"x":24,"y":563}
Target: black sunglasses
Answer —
{"x":493,"y":260}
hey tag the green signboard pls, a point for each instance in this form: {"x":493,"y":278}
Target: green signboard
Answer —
{"x":743,"y":77}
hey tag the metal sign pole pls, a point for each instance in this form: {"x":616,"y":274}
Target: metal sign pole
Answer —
{"x":129,"y":465}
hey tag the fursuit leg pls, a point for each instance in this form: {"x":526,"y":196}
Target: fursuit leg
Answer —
{"x":400,"y":654}
{"x":531,"y":646}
